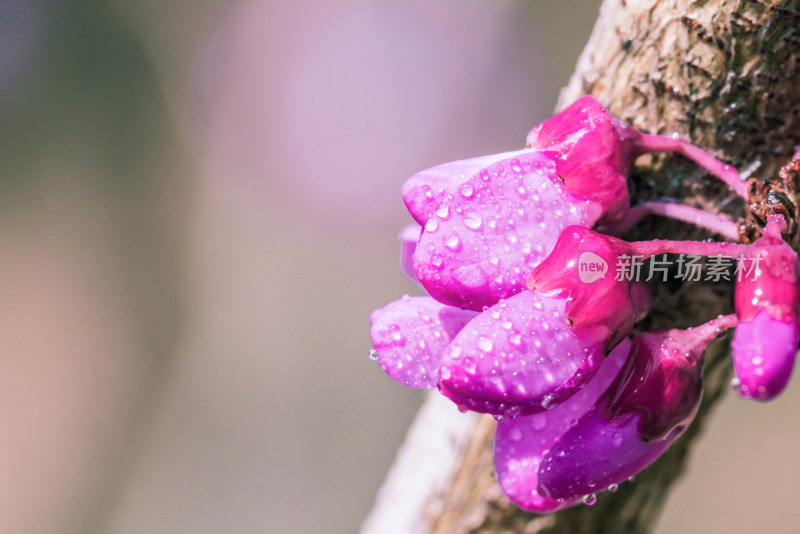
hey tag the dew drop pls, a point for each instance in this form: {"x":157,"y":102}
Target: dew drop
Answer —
{"x":735,"y":384}
{"x":613,"y":488}
{"x":373,"y":354}
{"x":453,"y":243}
{"x":466,"y":190}
{"x":394,"y":332}
{"x":436,"y":260}
{"x":485,"y":344}
{"x":443,"y":212}
{"x":590,"y":499}
{"x":432,"y":225}
{"x":472,"y":220}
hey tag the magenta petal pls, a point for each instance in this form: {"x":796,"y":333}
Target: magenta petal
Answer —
{"x":764,"y":352}
{"x":518,"y":357}
{"x":424,"y":191}
{"x":484,"y":240}
{"x":520,"y":443}
{"x":409,"y":236}
{"x":409,"y":335}
{"x":594,"y":454}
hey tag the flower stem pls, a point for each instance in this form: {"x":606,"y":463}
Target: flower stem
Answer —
{"x":657,"y":143}
{"x":716,"y":223}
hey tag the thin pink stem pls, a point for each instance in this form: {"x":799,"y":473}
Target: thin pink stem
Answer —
{"x":712,"y":328}
{"x":689,"y":248}
{"x":716,"y":223}
{"x":657,"y":143}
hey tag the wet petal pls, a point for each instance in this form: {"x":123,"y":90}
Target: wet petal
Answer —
{"x":764,"y":352}
{"x":595,"y":453}
{"x":521,"y":443}
{"x":409,"y":335}
{"x":483,"y":241}
{"x":424,"y":192}
{"x":649,"y":404}
{"x":409,"y":236}
{"x":518,"y":357}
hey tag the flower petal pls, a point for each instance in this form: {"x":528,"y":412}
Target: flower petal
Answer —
{"x":409,"y":335}
{"x":520,"y":443}
{"x":518,"y":357}
{"x":595,"y":453}
{"x":764,"y":352}
{"x":484,"y":240}
{"x":595,"y":153}
{"x":424,"y":192}
{"x":409,"y":236}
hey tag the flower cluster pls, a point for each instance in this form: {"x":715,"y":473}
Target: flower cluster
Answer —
{"x":525,"y":322}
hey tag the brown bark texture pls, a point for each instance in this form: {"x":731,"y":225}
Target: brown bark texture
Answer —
{"x":723,"y":74}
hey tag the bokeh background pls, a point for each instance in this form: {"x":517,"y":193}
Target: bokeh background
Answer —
{"x":199,"y":209}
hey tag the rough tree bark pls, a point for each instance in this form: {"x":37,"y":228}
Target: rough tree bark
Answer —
{"x":722,"y":73}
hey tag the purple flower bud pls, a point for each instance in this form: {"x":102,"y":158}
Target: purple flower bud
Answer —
{"x":649,"y":404}
{"x":765,"y":343}
{"x":534,"y":350}
{"x":488,"y":233}
{"x":520,"y":444}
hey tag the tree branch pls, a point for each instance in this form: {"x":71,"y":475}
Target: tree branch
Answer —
{"x":721,"y":73}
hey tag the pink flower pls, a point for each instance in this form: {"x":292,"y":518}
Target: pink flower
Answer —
{"x":526,"y":319}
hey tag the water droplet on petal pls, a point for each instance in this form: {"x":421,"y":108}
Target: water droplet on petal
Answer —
{"x":485,"y":344}
{"x":373,"y":354}
{"x":443,"y":212}
{"x":432,"y":225}
{"x":466,"y":190}
{"x":394,"y":332}
{"x":453,"y":243}
{"x":613,"y":488}
{"x":735,"y":384}
{"x":590,"y":499}
{"x":472,"y":220}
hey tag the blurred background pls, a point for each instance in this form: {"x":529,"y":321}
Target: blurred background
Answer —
{"x":200,"y":203}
